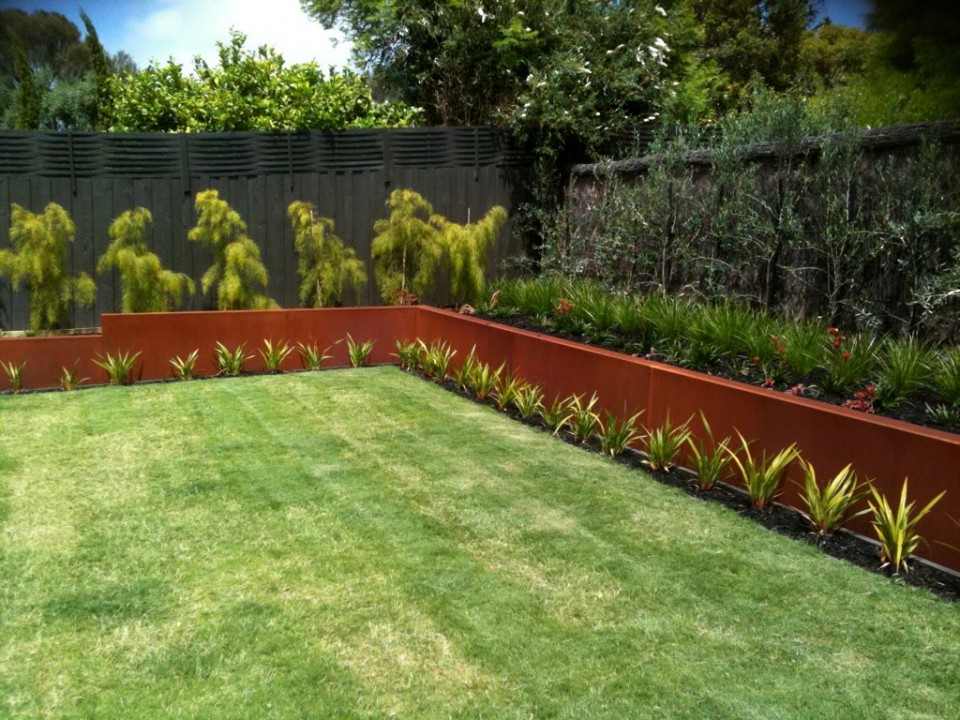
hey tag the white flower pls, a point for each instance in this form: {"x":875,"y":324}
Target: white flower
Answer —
{"x":660,"y":10}
{"x":660,"y":43}
{"x":482,"y":13}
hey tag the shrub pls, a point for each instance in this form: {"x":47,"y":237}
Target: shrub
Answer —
{"x":617,"y":435}
{"x":407,"y":250}
{"x":230,"y":362}
{"x":183,"y":367}
{"x":37,"y":260}
{"x":274,"y":355}
{"x":70,"y":379}
{"x":528,"y":401}
{"x":896,"y":530}
{"x":664,"y":443}
{"x":358,"y":352}
{"x":119,"y":367}
{"x":828,"y":506}
{"x":146,"y":285}
{"x":14,"y":373}
{"x":327,"y":268}
{"x":311,"y":356}
{"x":237,"y":272}
{"x":904,"y":370}
{"x":583,"y":419}
{"x":467,"y":247}
{"x":762,"y":477}
{"x":710,"y":458}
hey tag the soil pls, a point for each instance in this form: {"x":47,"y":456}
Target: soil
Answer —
{"x":777,"y":518}
{"x":912,"y":410}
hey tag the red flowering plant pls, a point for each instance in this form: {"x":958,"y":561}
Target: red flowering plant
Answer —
{"x":863,"y":399}
{"x":564,"y":307}
{"x":849,"y":361}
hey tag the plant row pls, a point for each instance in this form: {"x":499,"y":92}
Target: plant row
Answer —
{"x":120,"y":368}
{"x":893,"y":375}
{"x":828,"y":505}
{"x":412,"y":250}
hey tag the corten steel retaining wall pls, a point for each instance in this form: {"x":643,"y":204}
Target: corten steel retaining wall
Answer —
{"x":883,"y":449}
{"x":348,"y":175}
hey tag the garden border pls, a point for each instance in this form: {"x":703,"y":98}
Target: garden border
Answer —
{"x":883,"y":449}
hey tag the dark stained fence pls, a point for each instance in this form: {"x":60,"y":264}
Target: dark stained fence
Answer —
{"x":348,"y":175}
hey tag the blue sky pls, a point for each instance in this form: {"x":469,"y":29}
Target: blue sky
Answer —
{"x":157,"y":29}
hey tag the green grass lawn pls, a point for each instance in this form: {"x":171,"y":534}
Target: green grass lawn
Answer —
{"x":360,"y":544}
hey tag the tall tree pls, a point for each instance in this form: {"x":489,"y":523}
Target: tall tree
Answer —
{"x":100,"y":64}
{"x":26,"y":99}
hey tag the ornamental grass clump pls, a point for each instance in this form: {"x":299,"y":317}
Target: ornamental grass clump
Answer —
{"x":119,"y":367}
{"x":358,"y":352}
{"x":408,"y":354}
{"x":828,"y":506}
{"x":237,"y":276}
{"x":664,"y":443}
{"x":583,"y":419}
{"x":38,"y":259}
{"x":70,"y":379}
{"x":946,"y":377}
{"x":762,"y":476}
{"x":709,"y":458}
{"x":327,"y":268}
{"x":896,"y":529}
{"x":464,"y":375}
{"x":528,"y":401}
{"x":904,"y":369}
{"x":145,"y":285}
{"x":484,"y":381}
{"x":618,"y":435}
{"x":435,"y":359}
{"x":14,"y":373}
{"x":556,"y":415}
{"x":274,"y":354}
{"x":508,"y":385}
{"x":230,"y":362}
{"x":311,"y":356}
{"x":185,"y":367}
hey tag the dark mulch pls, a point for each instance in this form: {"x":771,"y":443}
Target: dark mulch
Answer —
{"x":777,"y":518}
{"x":912,"y":410}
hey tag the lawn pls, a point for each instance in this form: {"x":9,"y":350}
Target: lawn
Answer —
{"x":363,"y":544}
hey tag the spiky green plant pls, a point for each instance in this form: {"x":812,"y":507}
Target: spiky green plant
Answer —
{"x":946,"y":376}
{"x":896,"y":530}
{"x":435,"y":359}
{"x":617,"y":435}
{"x":230,"y":362}
{"x":663,"y":444}
{"x":358,"y":352}
{"x":70,"y":379}
{"x":237,"y":274}
{"x":943,"y":414}
{"x":485,"y":380}
{"x":761,"y":476}
{"x":311,"y":356}
{"x":38,"y":260}
{"x":467,"y":247}
{"x":119,"y":367}
{"x":326,"y":266}
{"x":828,"y":506}
{"x":528,"y":401}
{"x":407,"y":249}
{"x":184,"y":367}
{"x":274,"y":354}
{"x":145,"y":285}
{"x":408,"y":354}
{"x":709,"y":457}
{"x":583,"y":418}
{"x":14,"y":373}
{"x":464,"y":375}
{"x":508,"y":385}
{"x":905,"y":368}
{"x":556,"y":415}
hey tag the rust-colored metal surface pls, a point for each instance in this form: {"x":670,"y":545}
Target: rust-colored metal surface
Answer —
{"x":882,"y":449}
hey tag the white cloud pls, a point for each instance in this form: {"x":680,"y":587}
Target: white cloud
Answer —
{"x":184,"y":28}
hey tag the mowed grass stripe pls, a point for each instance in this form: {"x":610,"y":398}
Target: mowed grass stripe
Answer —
{"x":364,"y":544}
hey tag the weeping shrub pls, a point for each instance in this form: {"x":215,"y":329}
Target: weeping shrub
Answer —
{"x":466,"y":247}
{"x":407,"y":249}
{"x":327,"y":268}
{"x":38,"y":260}
{"x":146,"y":285}
{"x":237,"y":272}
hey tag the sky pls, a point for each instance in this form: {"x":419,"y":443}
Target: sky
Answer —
{"x":158,"y":29}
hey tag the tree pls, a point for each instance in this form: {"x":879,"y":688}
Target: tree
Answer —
{"x":147,"y":286}
{"x":248,"y":90}
{"x":100,"y":64}
{"x":407,"y":251}
{"x":26,"y":99}
{"x":326,"y":267}
{"x":466,"y":247}
{"x":237,"y":272}
{"x":39,"y":262}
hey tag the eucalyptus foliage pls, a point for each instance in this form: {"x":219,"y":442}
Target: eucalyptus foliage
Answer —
{"x":146,"y":285}
{"x":327,"y":268}
{"x":38,"y":260}
{"x":237,"y":273}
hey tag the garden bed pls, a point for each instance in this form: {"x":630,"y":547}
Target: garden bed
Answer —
{"x":364,"y":544}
